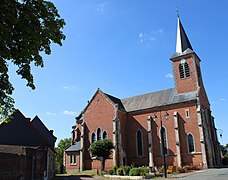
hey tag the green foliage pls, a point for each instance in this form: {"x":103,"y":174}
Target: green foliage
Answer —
{"x":224,"y":149}
{"x":110,"y":172}
{"x":225,"y":159}
{"x":27,"y":29}
{"x":183,"y":169}
{"x":115,"y":169}
{"x":59,"y":154}
{"x":120,"y":171}
{"x":143,"y":171}
{"x":134,"y":172}
{"x":126,"y":170}
{"x":101,"y":148}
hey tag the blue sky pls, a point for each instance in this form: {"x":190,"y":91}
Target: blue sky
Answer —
{"x":123,"y":47}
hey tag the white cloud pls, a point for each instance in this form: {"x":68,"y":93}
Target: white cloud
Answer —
{"x":50,"y":113}
{"x":70,"y":88}
{"x":169,"y":75}
{"x":102,"y":6}
{"x":69,"y":113}
{"x":148,"y":37}
{"x":222,"y":99}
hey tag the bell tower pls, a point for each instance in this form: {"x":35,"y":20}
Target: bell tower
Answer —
{"x":186,"y":63}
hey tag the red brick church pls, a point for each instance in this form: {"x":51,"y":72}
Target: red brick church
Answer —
{"x":136,"y":125}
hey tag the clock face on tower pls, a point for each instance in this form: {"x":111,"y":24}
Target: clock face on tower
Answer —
{"x":182,"y":61}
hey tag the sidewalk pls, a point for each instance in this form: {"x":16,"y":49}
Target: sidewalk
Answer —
{"x":182,"y":175}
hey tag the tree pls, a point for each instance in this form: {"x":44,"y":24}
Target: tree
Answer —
{"x":224,"y":150}
{"x":102,"y":150}
{"x":27,"y":29}
{"x":59,"y":154}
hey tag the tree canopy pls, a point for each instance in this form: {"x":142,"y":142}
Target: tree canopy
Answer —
{"x":27,"y":29}
{"x":59,"y":154}
{"x":102,"y":150}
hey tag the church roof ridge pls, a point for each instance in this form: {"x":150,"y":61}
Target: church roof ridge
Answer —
{"x":147,"y":93}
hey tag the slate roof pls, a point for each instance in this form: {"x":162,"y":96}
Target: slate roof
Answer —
{"x":39,"y":126}
{"x":20,"y":131}
{"x":185,"y":43}
{"x":74,"y":147}
{"x":153,"y":99}
{"x":157,"y":99}
{"x":116,"y":101}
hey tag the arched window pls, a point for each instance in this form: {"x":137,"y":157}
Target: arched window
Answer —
{"x":191,"y":146}
{"x":164,"y":137}
{"x":139,"y":141}
{"x":184,"y":70}
{"x":93,"y":138}
{"x":105,"y":135}
{"x":98,"y":134}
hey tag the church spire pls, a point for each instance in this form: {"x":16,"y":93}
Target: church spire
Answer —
{"x":182,"y":39}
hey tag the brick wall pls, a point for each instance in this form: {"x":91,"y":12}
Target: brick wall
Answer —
{"x":99,"y":114}
{"x":72,"y":168}
{"x":17,"y":161}
{"x":186,"y":125}
{"x":187,"y":84}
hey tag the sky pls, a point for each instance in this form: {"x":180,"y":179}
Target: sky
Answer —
{"x":124,"y":47}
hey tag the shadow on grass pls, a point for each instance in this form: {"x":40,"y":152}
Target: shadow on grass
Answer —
{"x":78,"y":176}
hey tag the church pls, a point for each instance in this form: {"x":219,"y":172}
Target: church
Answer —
{"x":176,"y":123}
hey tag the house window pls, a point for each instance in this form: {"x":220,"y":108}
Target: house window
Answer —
{"x":187,"y":113}
{"x":98,"y":134}
{"x":72,"y":159}
{"x":191,"y":146}
{"x":164,"y":137}
{"x":105,"y":135}
{"x":93,"y":137}
{"x":184,"y":70}
{"x":139,"y":141}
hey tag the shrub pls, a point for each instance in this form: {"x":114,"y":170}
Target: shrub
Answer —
{"x":114,"y":169}
{"x":182,"y":169}
{"x":143,"y":171}
{"x":161,"y":169}
{"x":134,"y":172}
{"x":189,"y":167}
{"x":120,"y":171}
{"x":225,"y":159}
{"x":126,"y":170}
{"x":110,"y":172}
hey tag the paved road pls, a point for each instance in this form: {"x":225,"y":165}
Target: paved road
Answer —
{"x":211,"y":174}
{"x":78,"y":178}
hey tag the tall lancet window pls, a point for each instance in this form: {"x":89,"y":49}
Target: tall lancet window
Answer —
{"x":164,"y":137}
{"x":139,"y":141}
{"x":93,"y":138}
{"x":191,"y":146}
{"x":105,"y":135}
{"x":99,"y":134}
{"x":184,"y":70}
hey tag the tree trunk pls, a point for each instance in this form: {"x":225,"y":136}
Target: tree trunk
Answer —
{"x":102,"y":163}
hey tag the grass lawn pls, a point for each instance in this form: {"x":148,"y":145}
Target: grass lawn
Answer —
{"x":86,"y":173}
